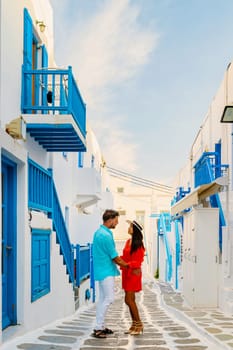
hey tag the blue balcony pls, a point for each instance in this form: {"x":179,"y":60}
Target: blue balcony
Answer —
{"x":53,"y":109}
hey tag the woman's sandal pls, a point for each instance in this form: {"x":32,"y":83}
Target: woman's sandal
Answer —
{"x":99,"y":333}
{"x":133,"y":325}
{"x":138,"y":328}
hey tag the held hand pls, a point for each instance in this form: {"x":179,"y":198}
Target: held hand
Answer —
{"x":120,"y":262}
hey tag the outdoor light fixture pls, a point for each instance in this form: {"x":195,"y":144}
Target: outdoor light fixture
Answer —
{"x":227,"y":115}
{"x":17,"y":128}
{"x":41,"y":25}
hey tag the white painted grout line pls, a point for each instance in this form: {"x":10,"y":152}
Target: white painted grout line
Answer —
{"x":180,"y":315}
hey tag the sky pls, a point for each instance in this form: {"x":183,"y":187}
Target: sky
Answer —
{"x":147,"y":71}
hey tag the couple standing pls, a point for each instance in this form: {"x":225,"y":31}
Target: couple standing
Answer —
{"x":105,"y":259}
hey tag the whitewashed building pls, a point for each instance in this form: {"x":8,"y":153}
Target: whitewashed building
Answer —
{"x":141,"y":200}
{"x":53,"y":182}
{"x":203,"y":205}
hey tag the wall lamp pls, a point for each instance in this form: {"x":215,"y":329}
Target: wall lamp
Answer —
{"x":41,"y":25}
{"x":227,"y":115}
{"x":17,"y":128}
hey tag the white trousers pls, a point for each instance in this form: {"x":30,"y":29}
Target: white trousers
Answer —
{"x":106,"y":298}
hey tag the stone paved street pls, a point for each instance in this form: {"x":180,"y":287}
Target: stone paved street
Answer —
{"x":168,"y":325}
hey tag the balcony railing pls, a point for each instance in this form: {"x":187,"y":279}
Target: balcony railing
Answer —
{"x":53,"y":92}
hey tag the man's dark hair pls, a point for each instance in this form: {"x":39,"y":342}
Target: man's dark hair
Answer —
{"x":109,"y":214}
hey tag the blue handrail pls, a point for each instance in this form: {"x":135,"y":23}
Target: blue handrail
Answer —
{"x":39,"y":187}
{"x":178,"y":252}
{"x":42,"y":195}
{"x":92,"y":279}
{"x":62,"y":235}
{"x":83,"y":267}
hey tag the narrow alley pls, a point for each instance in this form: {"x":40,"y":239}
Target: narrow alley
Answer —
{"x":168,"y":325}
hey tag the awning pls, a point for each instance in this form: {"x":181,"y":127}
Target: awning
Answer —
{"x":199,"y":194}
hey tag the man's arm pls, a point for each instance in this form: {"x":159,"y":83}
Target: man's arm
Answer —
{"x":120,"y":262}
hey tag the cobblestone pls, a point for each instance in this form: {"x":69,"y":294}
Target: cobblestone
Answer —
{"x":168,"y":324}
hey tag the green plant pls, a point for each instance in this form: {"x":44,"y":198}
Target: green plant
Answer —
{"x":157,"y":273}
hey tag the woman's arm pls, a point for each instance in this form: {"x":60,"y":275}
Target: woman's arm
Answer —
{"x":137,"y":258}
{"x":119,"y":261}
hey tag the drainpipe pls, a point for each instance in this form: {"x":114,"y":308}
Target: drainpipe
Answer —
{"x":228,"y":260}
{"x":229,"y":181}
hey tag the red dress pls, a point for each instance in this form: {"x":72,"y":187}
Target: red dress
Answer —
{"x":132,"y":282}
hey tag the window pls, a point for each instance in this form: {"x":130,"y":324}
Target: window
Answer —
{"x":120,"y":189}
{"x":140,"y":217}
{"x":122,"y":212}
{"x":40,"y":268}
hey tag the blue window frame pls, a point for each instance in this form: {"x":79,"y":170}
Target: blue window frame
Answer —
{"x":40,"y":267}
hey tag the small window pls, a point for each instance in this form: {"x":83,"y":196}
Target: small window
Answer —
{"x":122,"y":212}
{"x":120,"y":189}
{"x":140,"y":217}
{"x":40,"y":268}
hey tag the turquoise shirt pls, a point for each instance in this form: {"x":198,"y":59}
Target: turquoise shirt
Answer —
{"x":104,"y":250}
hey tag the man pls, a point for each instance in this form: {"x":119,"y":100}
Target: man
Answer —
{"x":105,"y":259}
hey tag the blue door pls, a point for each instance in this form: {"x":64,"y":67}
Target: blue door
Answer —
{"x":8,"y":174}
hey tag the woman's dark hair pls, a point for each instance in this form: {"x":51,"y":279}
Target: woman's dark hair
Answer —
{"x":137,"y":237}
{"x":109,"y":214}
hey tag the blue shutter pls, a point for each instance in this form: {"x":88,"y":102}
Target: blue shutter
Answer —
{"x":40,"y":278}
{"x":28,"y":39}
{"x":27,"y":57}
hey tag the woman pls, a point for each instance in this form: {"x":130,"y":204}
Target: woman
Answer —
{"x":133,"y":254}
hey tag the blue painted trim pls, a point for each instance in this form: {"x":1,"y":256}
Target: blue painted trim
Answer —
{"x":178,"y":248}
{"x":80,"y":159}
{"x":27,"y":59}
{"x":83,"y":258}
{"x":92,"y":279}
{"x":56,"y":137}
{"x":11,"y":216}
{"x":164,"y":228}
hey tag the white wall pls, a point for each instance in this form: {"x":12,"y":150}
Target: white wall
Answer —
{"x":60,"y":301}
{"x":56,"y":304}
{"x":135,"y":199}
{"x":211,"y":132}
